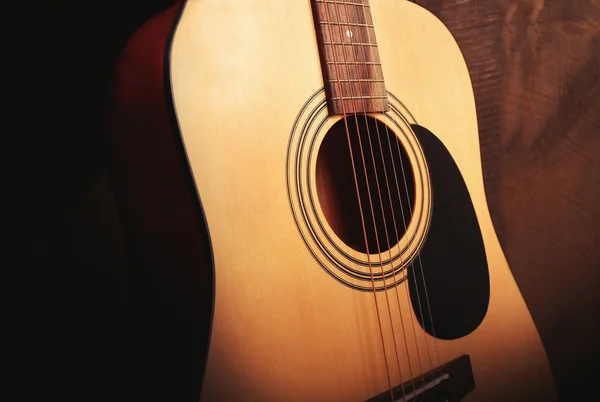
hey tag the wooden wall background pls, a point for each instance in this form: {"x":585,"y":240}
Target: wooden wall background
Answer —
{"x":535,"y":67}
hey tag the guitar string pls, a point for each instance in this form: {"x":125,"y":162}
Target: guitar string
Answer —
{"x":378,"y":77}
{"x":350,"y":36}
{"x":411,"y":265}
{"x":405,"y":227}
{"x":437,"y":351}
{"x":427,"y":302}
{"x":391,"y":203}
{"x":345,"y":119}
{"x":362,"y":154}
{"x":403,"y":216}
{"x":425,"y":289}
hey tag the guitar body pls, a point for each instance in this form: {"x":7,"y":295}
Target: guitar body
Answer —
{"x":245,"y":81}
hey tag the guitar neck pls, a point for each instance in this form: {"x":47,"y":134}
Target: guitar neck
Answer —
{"x":349,"y":57}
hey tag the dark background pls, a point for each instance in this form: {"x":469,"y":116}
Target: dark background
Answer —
{"x":535,"y":67}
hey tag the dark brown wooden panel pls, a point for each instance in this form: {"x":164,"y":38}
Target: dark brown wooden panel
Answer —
{"x":535,"y":67}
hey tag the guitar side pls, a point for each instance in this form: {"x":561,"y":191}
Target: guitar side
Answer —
{"x":170,"y":273}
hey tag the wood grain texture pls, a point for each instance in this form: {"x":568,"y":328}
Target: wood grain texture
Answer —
{"x":349,"y":57}
{"x":535,"y":67}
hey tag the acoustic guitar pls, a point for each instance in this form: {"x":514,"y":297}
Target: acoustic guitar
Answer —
{"x":333,"y":148}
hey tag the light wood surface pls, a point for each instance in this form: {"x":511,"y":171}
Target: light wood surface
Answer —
{"x":283,"y":328}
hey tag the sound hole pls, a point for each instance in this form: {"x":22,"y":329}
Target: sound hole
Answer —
{"x":389,"y":175}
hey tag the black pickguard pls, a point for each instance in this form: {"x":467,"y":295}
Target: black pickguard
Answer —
{"x":452,"y":263}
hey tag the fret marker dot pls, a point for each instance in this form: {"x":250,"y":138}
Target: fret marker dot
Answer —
{"x":349,"y":33}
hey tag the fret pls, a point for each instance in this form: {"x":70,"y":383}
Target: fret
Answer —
{"x":350,"y":24}
{"x":352,"y":71}
{"x":348,"y":54}
{"x":356,"y":89}
{"x":350,"y":43}
{"x":359,"y":80}
{"x":350,"y":3}
{"x":340,"y":33}
{"x":350,"y":58}
{"x":359,"y":97}
{"x":339,"y":12}
{"x":368,"y":63}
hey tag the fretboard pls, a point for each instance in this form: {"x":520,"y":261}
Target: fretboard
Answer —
{"x":349,"y":57}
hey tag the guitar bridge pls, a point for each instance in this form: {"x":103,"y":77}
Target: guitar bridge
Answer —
{"x":447,"y":383}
